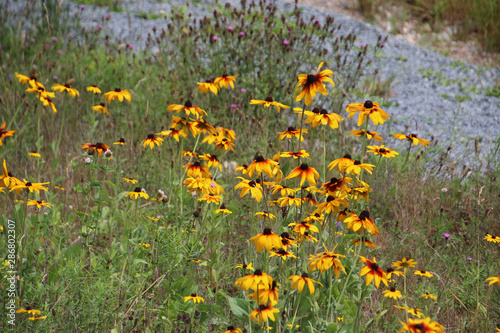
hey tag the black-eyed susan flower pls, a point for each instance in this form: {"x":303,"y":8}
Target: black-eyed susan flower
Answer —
{"x":369,"y":135}
{"x":212,"y":161}
{"x":4,"y":133}
{"x":226,"y":133}
{"x":341,"y":163}
{"x":284,"y":254}
{"x":197,"y":184}
{"x":38,"y":203}
{"x":372,"y":271}
{"x":404,"y":264}
{"x":145,"y":245}
{"x":289,"y":201}
{"x":392,"y":293}
{"x":48,"y":102}
{"x":266,"y":240}
{"x":223,"y":210}
{"x":93,"y":89}
{"x":33,"y":318}
{"x":421,"y":326}
{"x":303,"y":227}
{"x":232,"y":329}
{"x":117,"y":94}
{"x":195,"y":298}
{"x":263,"y":313}
{"x":213,"y":186}
{"x":59,"y":188}
{"x":66,"y":88}
{"x":299,"y":281}
{"x":7,"y":179}
{"x":151,"y":140}
{"x":23,"y":79}
{"x":362,"y":222}
{"x":287,"y":241}
{"x":308,"y":237}
{"x":332,"y":204}
{"x":428,"y":295}
{"x":245,"y":266}
{"x":189,"y":108}
{"x":305,"y":172}
{"x":32,"y":187}
{"x":325,"y":260}
{"x":101,"y":108}
{"x":255,"y":281}
{"x":203,"y":126}
{"x":196,"y":170}
{"x":412,"y":138}
{"x":34,"y":153}
{"x":265,"y":216}
{"x":269,"y":102}
{"x":300,"y":154}
{"x":226,"y":80}
{"x":493,"y":239}
{"x":173,"y":133}
{"x":391,"y":271}
{"x":310,"y":83}
{"x":310,"y":198}
{"x":211,"y":198}
{"x":363,"y":240}
{"x":224,"y":144}
{"x":120,"y":141}
{"x":357,"y":166}
{"x":382,"y":151}
{"x":413,"y":311}
{"x":368,"y":108}
{"x":41,"y":92}
{"x":292,"y":132}
{"x":138,"y":192}
{"x":324,"y":118}
{"x":335,"y":185}
{"x":208,"y":86}
{"x":493,"y":279}
{"x":261,"y":164}
{"x":249,"y":186}
{"x":190,"y":153}
{"x":284,"y":191}
{"x":423,"y":273}
{"x":131,"y":180}
{"x":98,"y":147}
{"x":265,"y":295}
{"x":154,"y":219}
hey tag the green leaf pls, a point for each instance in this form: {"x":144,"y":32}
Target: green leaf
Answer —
{"x":140,"y":261}
{"x":332,"y":328}
{"x":239,"y":306}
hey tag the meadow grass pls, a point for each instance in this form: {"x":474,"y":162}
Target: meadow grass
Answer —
{"x":136,"y":255}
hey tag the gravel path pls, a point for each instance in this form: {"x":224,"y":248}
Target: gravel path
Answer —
{"x":444,"y":98}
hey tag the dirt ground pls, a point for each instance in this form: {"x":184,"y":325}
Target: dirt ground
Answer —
{"x":415,"y":33}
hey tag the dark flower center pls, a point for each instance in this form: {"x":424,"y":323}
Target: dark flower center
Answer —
{"x":422,"y":271}
{"x":357,"y":162}
{"x":305,"y":275}
{"x":393,"y":289}
{"x":368,"y":104}
{"x":285,"y":235}
{"x":193,"y":295}
{"x":348,"y":156}
{"x":309,"y":196}
{"x":267,"y":231}
{"x":282,"y":252}
{"x":382,"y":150}
{"x":10,"y":174}
{"x":374,"y":266}
{"x":252,"y":184}
{"x":330,"y":198}
{"x":291,"y":129}
{"x":102,"y":104}
{"x":197,"y":164}
{"x":245,"y":166}
{"x":274,"y":285}
{"x":269,"y":99}
{"x":94,"y":86}
{"x":418,"y":326}
{"x":262,"y":307}
{"x":364,"y":215}
{"x":259,"y":159}
{"x":316,"y":110}
{"x":230,"y":328}
{"x":208,"y":81}
{"x":390,"y":270}
{"x":151,"y":136}
{"x":323,"y":111}
{"x":118,"y":90}
{"x":304,"y":166}
{"x":311,"y":78}
{"x":412,"y":135}
{"x":333,"y":180}
{"x":257,"y":272}
{"x":258,"y":181}
{"x":222,"y":206}
{"x":188,"y":104}
{"x":28,"y":184}
{"x":224,"y":75}
{"x":137,"y":189}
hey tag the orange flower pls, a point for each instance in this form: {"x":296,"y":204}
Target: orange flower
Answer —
{"x":226,"y":80}
{"x":310,"y":83}
{"x":269,"y":102}
{"x":4,"y":134}
{"x":306,"y":172}
{"x":372,"y":271}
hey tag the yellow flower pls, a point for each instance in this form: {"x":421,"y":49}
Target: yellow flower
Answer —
{"x":4,"y":134}
{"x":292,"y":132}
{"x":421,"y":326}
{"x":284,"y":254}
{"x":137,"y":193}
{"x":357,"y":166}
{"x":324,"y":260}
{"x":289,"y":201}
{"x":226,"y":80}
{"x":34,"y":154}
{"x":151,"y":140}
{"x":310,"y":83}
{"x":302,"y":227}
{"x":267,"y":239}
{"x":493,"y":279}
{"x":393,"y":293}
{"x":48,"y":102}
{"x":93,"y":88}
{"x":208,"y":86}
{"x":305,"y":172}
{"x":196,"y":170}
{"x":372,"y":272}
{"x":41,"y":92}
{"x":146,"y":245}
{"x":427,"y":295}
{"x":131,"y":180}
{"x":302,"y":154}
{"x":341,"y":163}
{"x":194,"y":298}
{"x":413,"y":311}
{"x":358,"y":223}
{"x":29,"y":186}
{"x":39,"y":204}
{"x":490,"y":238}
{"x":412,"y":138}
{"x":67,"y":88}
{"x":324,"y":118}
{"x":245,"y":266}
{"x":382,"y":151}
{"x":99,"y":147}
{"x":369,"y":135}
{"x":120,"y":141}
{"x":269,"y":102}
{"x":368,"y":108}
{"x":255,"y":281}
{"x":211,"y":198}
{"x":263,"y":313}
{"x":251,"y":186}
{"x":232,"y":329}
{"x":267,"y":294}
{"x":331,"y":204}
{"x":265,"y":216}
{"x":23,"y":79}
{"x":410,"y":263}
{"x":173,"y":133}
{"x":261,"y":164}
{"x":299,"y":281}
{"x":224,"y":144}
{"x":423,"y":273}
{"x":117,"y":94}
{"x":188,"y":108}
{"x":101,"y":108}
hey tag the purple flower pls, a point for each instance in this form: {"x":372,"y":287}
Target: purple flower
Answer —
{"x":55,"y":77}
{"x":99,"y":27}
{"x":286,"y":42}
{"x":54,"y":39}
{"x":282,"y":84}
{"x":243,"y":90}
{"x":362,"y":45}
{"x":215,"y":38}
{"x":32,"y":40}
{"x":382,"y":45}
{"x":234,"y":106}
{"x":469,"y":258}
{"x":242,"y":33}
{"x":82,"y":7}
{"x":130,"y":46}
{"x":47,"y":46}
{"x":108,"y":17}
{"x":446,"y":235}
{"x":318,"y":21}
{"x":9,"y":76}
{"x":230,"y":28}
{"x":59,"y":51}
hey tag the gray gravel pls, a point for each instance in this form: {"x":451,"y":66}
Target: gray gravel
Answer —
{"x":444,"y":99}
